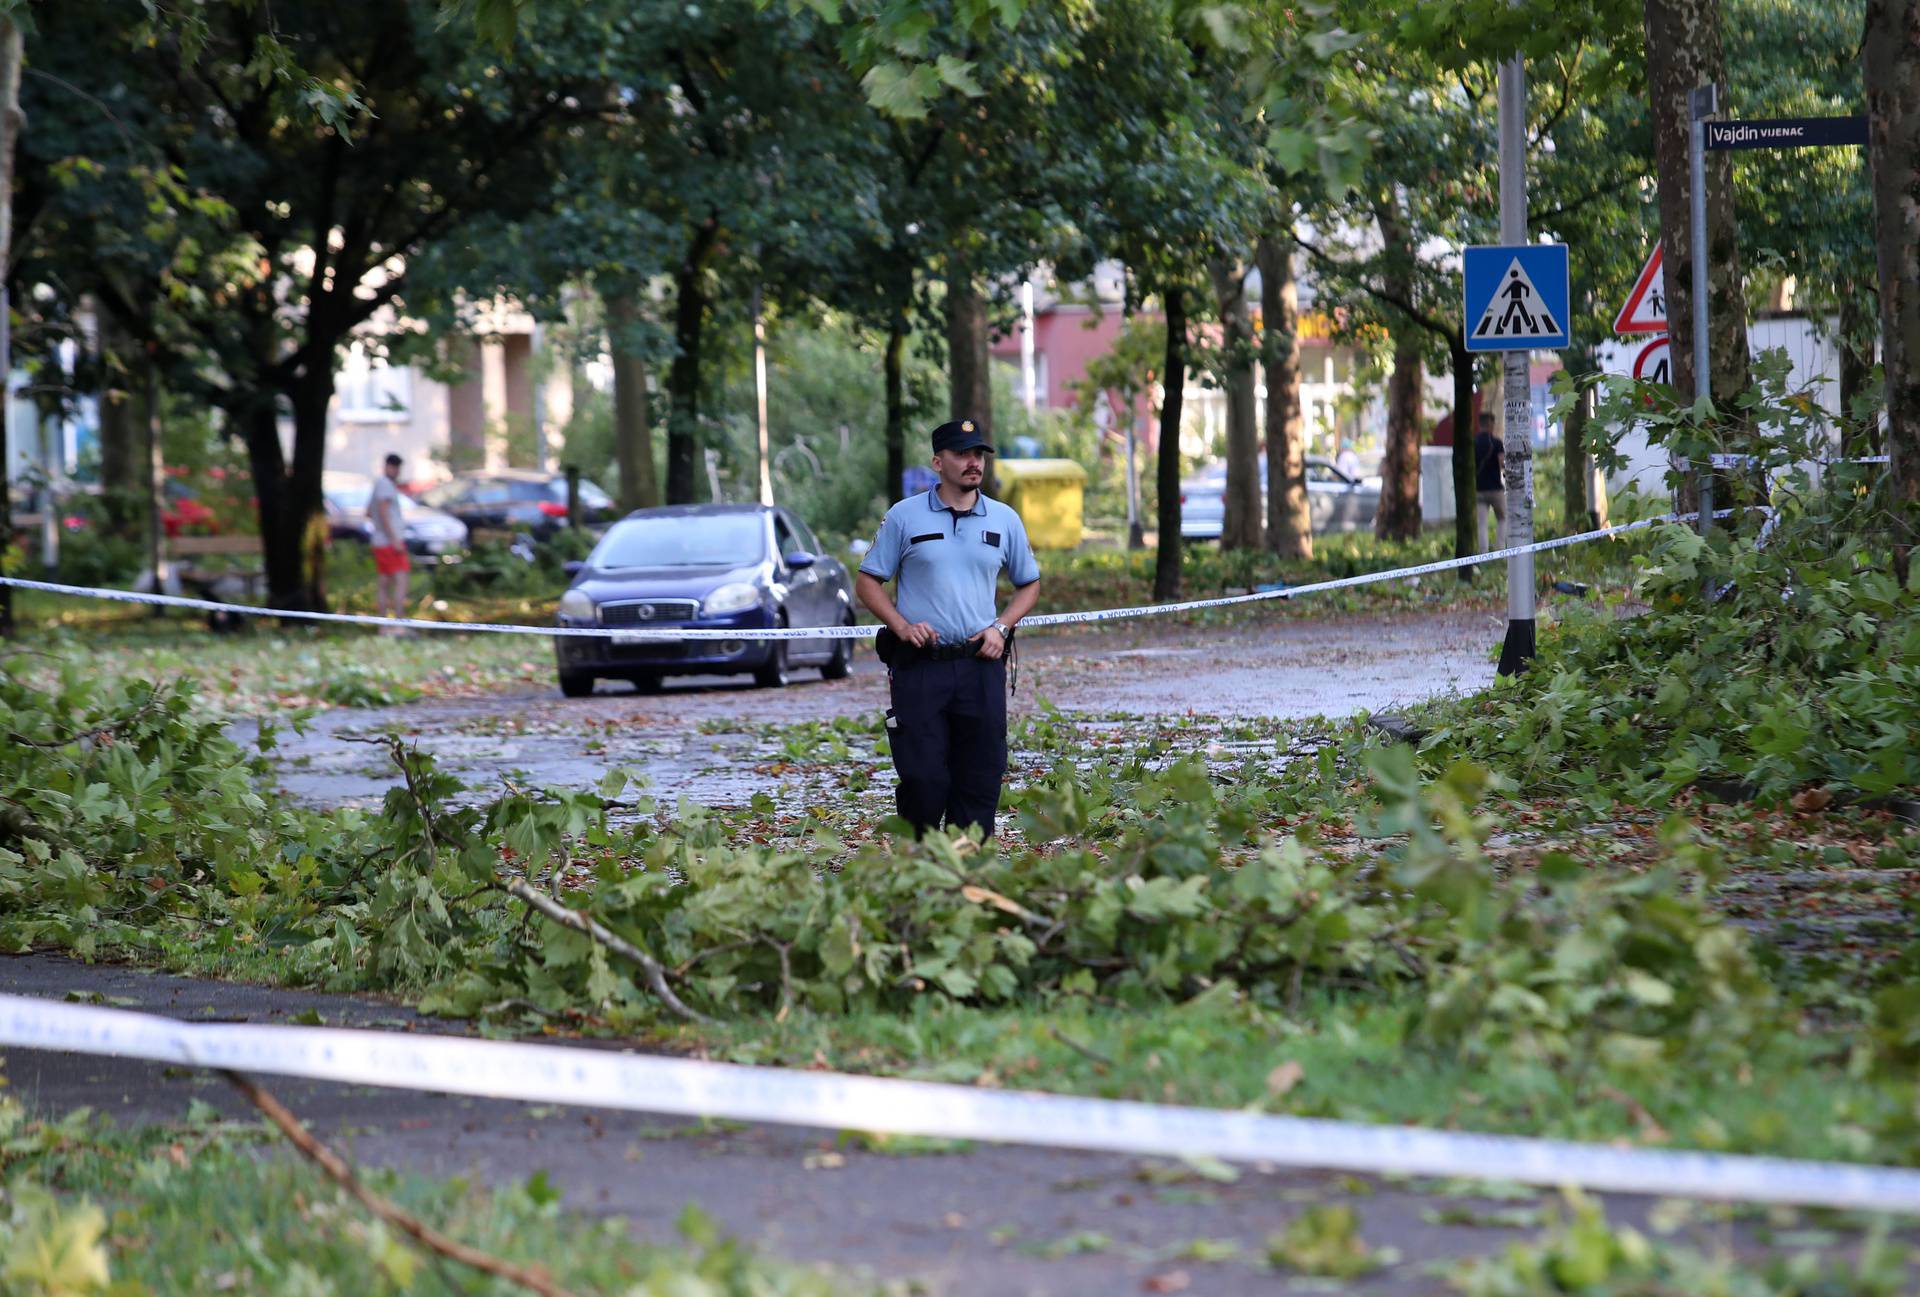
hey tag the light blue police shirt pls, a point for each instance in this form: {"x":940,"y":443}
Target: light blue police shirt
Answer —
{"x":949,"y":563}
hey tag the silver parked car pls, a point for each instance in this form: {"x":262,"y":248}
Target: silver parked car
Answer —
{"x":428,"y":530}
{"x":1335,"y":501}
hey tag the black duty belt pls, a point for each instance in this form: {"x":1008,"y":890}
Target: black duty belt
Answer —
{"x":896,"y":652}
{"x":936,"y":653}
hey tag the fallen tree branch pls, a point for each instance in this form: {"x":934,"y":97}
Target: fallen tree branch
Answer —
{"x":531,"y":1277}
{"x":1085,"y":1051}
{"x":655,"y":971}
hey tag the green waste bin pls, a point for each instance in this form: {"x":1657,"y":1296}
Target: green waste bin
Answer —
{"x":1048,"y":495}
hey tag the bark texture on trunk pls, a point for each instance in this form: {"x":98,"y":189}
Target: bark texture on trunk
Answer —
{"x":632,"y":434}
{"x":1240,"y":527}
{"x":1289,"y":520}
{"x":1891,"y":69}
{"x":1684,"y":52}
{"x":1399,"y":515}
{"x":1576,"y":467}
{"x":970,"y":375}
{"x":1466,"y":536}
{"x":683,"y":378}
{"x":305,"y":504}
{"x":1173,"y":382}
{"x":121,"y":438}
{"x":896,"y":394}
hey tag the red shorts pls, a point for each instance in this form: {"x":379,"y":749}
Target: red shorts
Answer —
{"x":391,"y":560}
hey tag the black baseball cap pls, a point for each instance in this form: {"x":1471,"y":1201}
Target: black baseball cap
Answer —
{"x":960,"y":434}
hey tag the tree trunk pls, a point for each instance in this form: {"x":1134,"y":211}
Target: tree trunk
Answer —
{"x":968,"y":363}
{"x":1857,"y":332}
{"x":293,"y":520}
{"x":1684,"y":52}
{"x":1398,"y":517}
{"x":1240,"y":527}
{"x":306,"y":511}
{"x":1173,"y":382}
{"x":12,"y":55}
{"x":1891,"y":68}
{"x":1399,"y":514}
{"x":896,"y":385}
{"x":1466,"y":535}
{"x":632,"y":434}
{"x":121,"y":442}
{"x":1289,"y":520}
{"x":683,"y":379}
{"x":1575,"y":471}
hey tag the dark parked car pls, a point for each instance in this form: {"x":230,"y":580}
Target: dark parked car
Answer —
{"x":710,"y":566}
{"x":518,"y":500}
{"x":427,"y":530}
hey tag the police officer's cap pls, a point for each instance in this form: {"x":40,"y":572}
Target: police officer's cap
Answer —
{"x":960,"y":434}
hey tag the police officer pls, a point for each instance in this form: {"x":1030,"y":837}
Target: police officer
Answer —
{"x":947,"y":652}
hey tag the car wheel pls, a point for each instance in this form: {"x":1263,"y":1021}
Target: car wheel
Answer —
{"x":840,"y":665}
{"x":575,"y":685}
{"x":646,"y":682}
{"x":774,"y":674}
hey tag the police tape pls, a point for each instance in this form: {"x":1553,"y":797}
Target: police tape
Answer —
{"x":639,"y":635}
{"x":544,"y":1073}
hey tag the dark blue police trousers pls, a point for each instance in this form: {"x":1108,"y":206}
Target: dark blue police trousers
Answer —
{"x":950,"y":742}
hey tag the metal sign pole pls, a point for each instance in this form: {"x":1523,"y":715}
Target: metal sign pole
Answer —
{"x":1701,"y":103}
{"x":1518,"y":649}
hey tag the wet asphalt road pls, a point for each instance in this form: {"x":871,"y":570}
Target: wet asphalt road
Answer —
{"x":1290,"y":668}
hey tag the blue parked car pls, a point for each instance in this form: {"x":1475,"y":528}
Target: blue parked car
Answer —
{"x":710,"y":566}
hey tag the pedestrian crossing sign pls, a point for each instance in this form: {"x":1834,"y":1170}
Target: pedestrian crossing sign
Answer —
{"x":1517,"y":297}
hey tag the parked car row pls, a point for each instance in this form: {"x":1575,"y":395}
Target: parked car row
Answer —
{"x":708,"y":567}
{"x":1335,"y":501}
{"x":518,"y":500}
{"x":443,"y":518}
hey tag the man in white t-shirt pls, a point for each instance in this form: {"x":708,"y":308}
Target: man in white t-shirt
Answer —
{"x":390,"y":562}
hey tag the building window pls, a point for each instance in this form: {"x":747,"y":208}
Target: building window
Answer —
{"x":372,"y":391}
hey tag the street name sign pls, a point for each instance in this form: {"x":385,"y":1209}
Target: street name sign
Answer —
{"x":1517,"y":297}
{"x":1787,"y":133}
{"x":1646,"y":308}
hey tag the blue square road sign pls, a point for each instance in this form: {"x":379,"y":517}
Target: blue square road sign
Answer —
{"x":1517,"y":297}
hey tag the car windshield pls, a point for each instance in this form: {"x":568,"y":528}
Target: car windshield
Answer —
{"x":711,"y":540}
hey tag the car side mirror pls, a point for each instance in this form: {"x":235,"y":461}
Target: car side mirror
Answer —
{"x":799,"y":559}
{"x":573,"y":566}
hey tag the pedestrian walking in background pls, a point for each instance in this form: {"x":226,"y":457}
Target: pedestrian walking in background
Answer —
{"x":390,"y":562}
{"x":944,"y":645}
{"x":1490,"y":489}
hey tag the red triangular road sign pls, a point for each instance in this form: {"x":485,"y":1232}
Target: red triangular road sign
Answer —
{"x":1646,"y":308}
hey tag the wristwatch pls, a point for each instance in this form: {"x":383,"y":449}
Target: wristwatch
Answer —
{"x":1004,"y":629}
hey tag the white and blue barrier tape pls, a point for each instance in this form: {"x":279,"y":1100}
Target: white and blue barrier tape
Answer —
{"x":677,"y":633}
{"x":836,"y":1101}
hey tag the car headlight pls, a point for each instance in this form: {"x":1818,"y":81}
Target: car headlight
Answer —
{"x":576,"y":606}
{"x":736,"y":596}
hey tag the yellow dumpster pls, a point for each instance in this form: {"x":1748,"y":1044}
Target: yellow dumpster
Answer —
{"x":1047,"y":494}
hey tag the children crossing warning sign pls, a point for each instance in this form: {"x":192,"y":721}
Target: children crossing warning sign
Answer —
{"x":1516,"y":297}
{"x":1646,"y":307}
